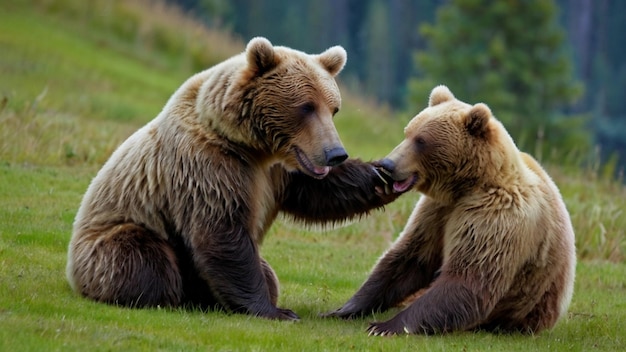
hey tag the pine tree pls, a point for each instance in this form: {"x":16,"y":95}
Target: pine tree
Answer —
{"x":508,"y":54}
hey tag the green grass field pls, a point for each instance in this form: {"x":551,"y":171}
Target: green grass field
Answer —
{"x":76,"y":79}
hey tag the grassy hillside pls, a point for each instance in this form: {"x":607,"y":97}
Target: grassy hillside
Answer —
{"x":77,"y":77}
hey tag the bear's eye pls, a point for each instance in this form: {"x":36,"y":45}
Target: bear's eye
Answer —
{"x":336,"y":110}
{"x":420,"y":142}
{"x":307,"y":108}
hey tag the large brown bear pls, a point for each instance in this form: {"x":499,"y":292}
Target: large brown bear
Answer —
{"x":177,"y":214}
{"x":489,"y":245}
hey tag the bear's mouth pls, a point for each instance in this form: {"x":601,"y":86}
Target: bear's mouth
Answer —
{"x":309,"y":167}
{"x":398,"y":186}
{"x":402,"y":186}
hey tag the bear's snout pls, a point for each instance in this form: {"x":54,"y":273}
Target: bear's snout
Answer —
{"x":335,"y":156}
{"x":387,"y":164}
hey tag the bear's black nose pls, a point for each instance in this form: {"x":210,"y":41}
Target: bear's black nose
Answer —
{"x":387,"y":164}
{"x":336,"y":156}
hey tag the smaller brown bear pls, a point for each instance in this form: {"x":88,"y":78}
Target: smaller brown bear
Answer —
{"x":490,"y":243}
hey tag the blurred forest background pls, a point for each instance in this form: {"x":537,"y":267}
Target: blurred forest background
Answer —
{"x":554,"y":72}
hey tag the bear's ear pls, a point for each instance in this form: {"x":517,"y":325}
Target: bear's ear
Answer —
{"x":333,"y":59}
{"x":440,"y":94}
{"x":476,"y":122}
{"x":260,"y":54}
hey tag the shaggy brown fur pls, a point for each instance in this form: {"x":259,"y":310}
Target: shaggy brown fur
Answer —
{"x":490,"y":243}
{"x":177,"y":214}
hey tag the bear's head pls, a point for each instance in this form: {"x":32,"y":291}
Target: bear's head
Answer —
{"x":449,"y":148}
{"x":281,"y":104}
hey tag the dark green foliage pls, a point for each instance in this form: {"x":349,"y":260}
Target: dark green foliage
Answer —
{"x":595,"y":29}
{"x":509,"y":55}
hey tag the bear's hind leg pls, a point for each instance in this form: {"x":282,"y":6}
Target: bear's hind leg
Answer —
{"x":125,"y":264}
{"x":544,"y":315}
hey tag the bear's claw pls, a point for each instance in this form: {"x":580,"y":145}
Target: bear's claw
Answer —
{"x":384,"y":329}
{"x":383,"y":174}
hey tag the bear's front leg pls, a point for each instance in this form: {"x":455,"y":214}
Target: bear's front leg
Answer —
{"x":410,"y":265}
{"x":396,"y":276}
{"x":351,"y":189}
{"x":237,"y":276}
{"x":450,"y":304}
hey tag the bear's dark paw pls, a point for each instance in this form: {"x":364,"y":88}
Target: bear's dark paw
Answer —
{"x":384,"y":175}
{"x":286,"y":314}
{"x":347,"y":312}
{"x":387,"y":328}
{"x":382,"y":179}
{"x":383,"y":186}
{"x":340,"y":314}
